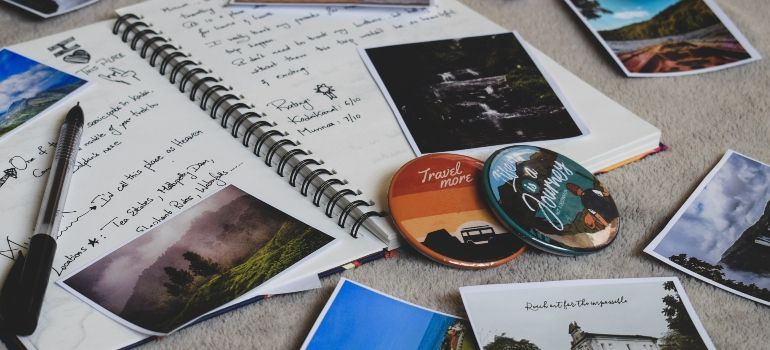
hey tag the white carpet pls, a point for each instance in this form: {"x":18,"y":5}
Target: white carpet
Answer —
{"x":701,"y":117}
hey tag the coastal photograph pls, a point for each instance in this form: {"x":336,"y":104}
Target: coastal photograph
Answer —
{"x":665,"y":37}
{"x":358,"y":317}
{"x":197,"y":261}
{"x":470,"y":93}
{"x":28,"y":88}
{"x":722,"y":232}
{"x":640,"y":313}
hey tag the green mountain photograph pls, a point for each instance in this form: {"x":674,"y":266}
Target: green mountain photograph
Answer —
{"x":27,"y":88}
{"x":203,"y":258}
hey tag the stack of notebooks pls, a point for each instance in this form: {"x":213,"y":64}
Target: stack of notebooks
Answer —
{"x":264,"y":129}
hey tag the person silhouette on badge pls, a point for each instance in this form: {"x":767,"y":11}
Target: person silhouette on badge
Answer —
{"x":600,"y":209}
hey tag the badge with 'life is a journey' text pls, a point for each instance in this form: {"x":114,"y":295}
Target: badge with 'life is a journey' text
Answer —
{"x":550,"y":201}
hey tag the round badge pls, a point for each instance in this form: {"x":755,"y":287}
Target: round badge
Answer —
{"x":552,"y":202}
{"x":436,"y":204}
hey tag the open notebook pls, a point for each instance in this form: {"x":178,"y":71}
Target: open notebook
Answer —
{"x":252,"y":71}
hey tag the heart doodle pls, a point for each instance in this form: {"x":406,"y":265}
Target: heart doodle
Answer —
{"x":78,"y":56}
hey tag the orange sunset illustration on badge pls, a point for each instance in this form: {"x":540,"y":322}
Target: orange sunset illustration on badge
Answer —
{"x":435,"y":203}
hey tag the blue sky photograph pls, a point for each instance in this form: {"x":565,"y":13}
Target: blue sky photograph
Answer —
{"x":22,"y":78}
{"x":625,"y":12}
{"x":732,"y":201}
{"x":360,"y":318}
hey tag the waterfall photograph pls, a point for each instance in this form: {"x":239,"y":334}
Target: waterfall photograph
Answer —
{"x":471,"y":93}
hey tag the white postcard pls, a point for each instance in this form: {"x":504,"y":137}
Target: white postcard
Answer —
{"x":619,"y":314}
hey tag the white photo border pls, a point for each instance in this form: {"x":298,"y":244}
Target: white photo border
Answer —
{"x":650,"y":249}
{"x":755,"y":56}
{"x":475,"y":152}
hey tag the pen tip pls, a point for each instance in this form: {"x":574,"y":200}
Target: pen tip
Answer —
{"x":75,"y":116}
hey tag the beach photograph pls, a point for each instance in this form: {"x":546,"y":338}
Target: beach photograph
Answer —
{"x":665,"y":37}
{"x":358,"y":317}
{"x":470,"y":93}
{"x":28,"y":88}
{"x":197,"y":261}
{"x":722,"y":232}
{"x":620,"y":314}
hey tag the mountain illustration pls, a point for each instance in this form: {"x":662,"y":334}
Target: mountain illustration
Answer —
{"x":752,"y":248}
{"x":22,"y":110}
{"x":682,"y":17}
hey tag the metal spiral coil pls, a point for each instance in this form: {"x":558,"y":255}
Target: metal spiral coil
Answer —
{"x":191,"y":72}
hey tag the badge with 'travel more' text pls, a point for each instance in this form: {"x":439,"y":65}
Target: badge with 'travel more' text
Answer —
{"x":436,"y":204}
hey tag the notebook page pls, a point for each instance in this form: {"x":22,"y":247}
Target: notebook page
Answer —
{"x":301,"y":67}
{"x":147,"y":153}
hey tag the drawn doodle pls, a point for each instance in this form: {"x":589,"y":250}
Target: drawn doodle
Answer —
{"x":11,"y":249}
{"x":118,"y":75}
{"x":61,"y":232}
{"x":63,"y":47}
{"x":79,"y":56}
{"x":325,"y":90}
{"x":8,"y":174}
{"x":93,"y":242}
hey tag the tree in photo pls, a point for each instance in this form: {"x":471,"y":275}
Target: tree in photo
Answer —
{"x":591,"y":9}
{"x":715,"y":273}
{"x":178,"y":281}
{"x":201,"y":266}
{"x":502,"y":342}
{"x":682,"y":332}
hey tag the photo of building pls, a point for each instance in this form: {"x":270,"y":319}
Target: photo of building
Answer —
{"x":598,"y":341}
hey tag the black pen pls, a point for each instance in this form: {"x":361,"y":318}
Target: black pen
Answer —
{"x":25,"y":286}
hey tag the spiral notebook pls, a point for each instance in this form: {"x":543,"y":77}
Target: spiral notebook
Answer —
{"x":286,"y":84}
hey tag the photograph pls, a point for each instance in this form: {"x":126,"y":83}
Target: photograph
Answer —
{"x":358,"y":317}
{"x":721,"y":234}
{"x":665,"y":37}
{"x":389,"y":3}
{"x":50,"y":8}
{"x":472,"y":93}
{"x":202,"y":258}
{"x":611,"y":314}
{"x":28,"y":88}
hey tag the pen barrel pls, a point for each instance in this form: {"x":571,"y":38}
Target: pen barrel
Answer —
{"x":33,"y":282}
{"x":58,"y":182}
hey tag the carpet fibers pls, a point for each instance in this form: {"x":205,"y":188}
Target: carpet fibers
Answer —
{"x":700,"y":116}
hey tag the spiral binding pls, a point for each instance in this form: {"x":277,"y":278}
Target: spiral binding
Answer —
{"x":131,"y":26}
